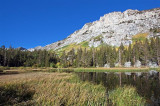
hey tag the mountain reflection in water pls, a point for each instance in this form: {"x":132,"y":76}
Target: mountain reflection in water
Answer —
{"x":146,"y":83}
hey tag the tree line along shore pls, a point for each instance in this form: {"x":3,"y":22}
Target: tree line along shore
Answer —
{"x":144,"y":53}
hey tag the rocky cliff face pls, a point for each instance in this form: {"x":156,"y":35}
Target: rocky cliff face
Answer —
{"x":113,"y":29}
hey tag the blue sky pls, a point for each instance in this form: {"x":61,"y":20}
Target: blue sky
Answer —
{"x":30,"y":23}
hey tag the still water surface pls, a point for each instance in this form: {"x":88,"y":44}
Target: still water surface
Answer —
{"x":146,"y":83}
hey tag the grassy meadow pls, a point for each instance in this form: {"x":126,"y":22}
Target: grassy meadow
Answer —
{"x":61,"y":89}
{"x":111,"y":69}
{"x":5,"y":70}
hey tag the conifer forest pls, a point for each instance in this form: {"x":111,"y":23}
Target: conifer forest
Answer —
{"x":144,"y":51}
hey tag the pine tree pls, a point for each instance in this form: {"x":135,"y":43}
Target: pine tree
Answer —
{"x":153,"y":50}
{"x":146,"y":51}
{"x":158,"y":50}
{"x":129,"y":53}
{"x":71,"y":57}
{"x":64,"y":60}
{"x":121,"y":58}
{"x":47,"y":60}
{"x":79,"y":56}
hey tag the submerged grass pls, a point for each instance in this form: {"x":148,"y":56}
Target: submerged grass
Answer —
{"x":126,"y":96}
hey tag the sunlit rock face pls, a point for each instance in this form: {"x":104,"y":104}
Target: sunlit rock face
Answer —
{"x":36,"y":48}
{"x":113,"y":29}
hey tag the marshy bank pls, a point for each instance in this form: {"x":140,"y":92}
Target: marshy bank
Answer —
{"x":144,"y":84}
{"x":17,"y":70}
{"x":52,"y":89}
{"x":43,"y":88}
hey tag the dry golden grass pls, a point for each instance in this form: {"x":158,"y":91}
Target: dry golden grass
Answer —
{"x":144,"y":35}
{"x":56,"y":89}
{"x":139,"y":37}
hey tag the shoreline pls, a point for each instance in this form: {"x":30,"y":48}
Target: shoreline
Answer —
{"x":99,"y":69}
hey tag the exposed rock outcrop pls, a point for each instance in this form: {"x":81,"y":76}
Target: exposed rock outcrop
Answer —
{"x":37,"y":48}
{"x":22,"y":48}
{"x":113,"y":29}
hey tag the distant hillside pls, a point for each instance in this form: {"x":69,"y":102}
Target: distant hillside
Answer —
{"x":113,"y":29}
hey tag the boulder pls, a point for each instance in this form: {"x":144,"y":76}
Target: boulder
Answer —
{"x":116,"y":64}
{"x":107,"y":65}
{"x":127,"y":64}
{"x":152,"y":65}
{"x":137,"y":63}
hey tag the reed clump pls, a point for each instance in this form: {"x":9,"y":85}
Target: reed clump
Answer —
{"x":126,"y":96}
{"x":19,"y":94}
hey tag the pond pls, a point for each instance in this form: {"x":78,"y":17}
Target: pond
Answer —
{"x":146,"y":83}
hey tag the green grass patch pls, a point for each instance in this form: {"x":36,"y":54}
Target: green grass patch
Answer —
{"x":157,"y":69}
{"x":98,"y":38}
{"x":61,"y":70}
{"x":71,"y":46}
{"x":126,"y":96}
{"x":84,"y":44}
{"x":65,"y":46}
{"x":100,"y":69}
{"x":139,"y":37}
{"x":111,"y":69}
{"x":4,"y":68}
